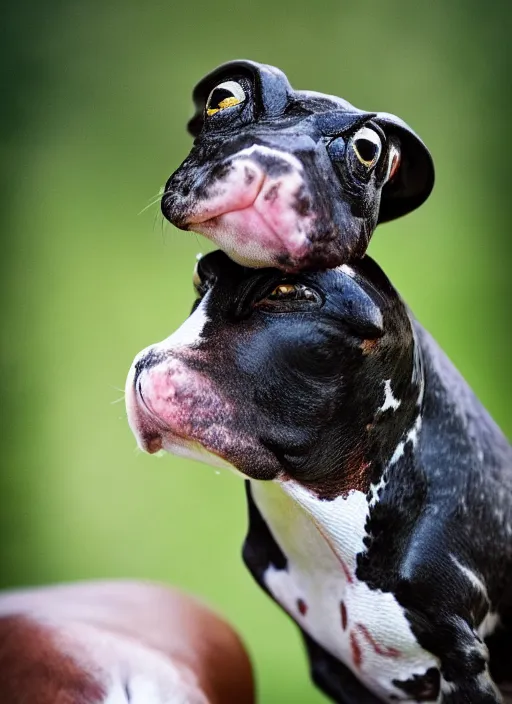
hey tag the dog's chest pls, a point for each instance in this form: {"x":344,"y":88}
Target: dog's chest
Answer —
{"x":366,"y":629}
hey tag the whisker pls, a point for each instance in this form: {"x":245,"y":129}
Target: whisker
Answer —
{"x":150,"y":205}
{"x":155,"y":199}
{"x":116,"y":388}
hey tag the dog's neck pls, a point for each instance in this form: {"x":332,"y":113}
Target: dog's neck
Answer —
{"x":366,"y":443}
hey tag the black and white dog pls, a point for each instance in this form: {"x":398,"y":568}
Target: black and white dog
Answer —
{"x":291,"y":179}
{"x":379,"y":489}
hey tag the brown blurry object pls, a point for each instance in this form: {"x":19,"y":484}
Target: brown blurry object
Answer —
{"x":78,"y":644}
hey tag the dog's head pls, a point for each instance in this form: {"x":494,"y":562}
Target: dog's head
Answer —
{"x":291,"y":179}
{"x":310,"y":376}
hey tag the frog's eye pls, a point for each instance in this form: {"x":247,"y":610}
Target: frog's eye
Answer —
{"x":223,"y":96}
{"x":367,"y":146}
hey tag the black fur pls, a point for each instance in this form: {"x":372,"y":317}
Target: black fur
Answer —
{"x":305,"y":379}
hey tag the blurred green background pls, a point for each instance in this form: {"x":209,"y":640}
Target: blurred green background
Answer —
{"x":95,"y":98}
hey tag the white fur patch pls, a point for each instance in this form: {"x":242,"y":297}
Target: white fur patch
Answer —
{"x":190,"y":332}
{"x":346,"y":269}
{"x":375,"y":489}
{"x":390,"y":402}
{"x":366,"y":629}
{"x":143,"y":689}
{"x":490,"y":620}
{"x":195,"y":451}
{"x":269,"y":151}
{"x":471,"y":577}
{"x":488,"y":625}
{"x":412,"y":437}
{"x":187,"y":335}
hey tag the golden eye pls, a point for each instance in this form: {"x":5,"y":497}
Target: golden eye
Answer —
{"x":292,"y":292}
{"x":367,"y":146}
{"x":283,"y":291}
{"x":223,"y":96}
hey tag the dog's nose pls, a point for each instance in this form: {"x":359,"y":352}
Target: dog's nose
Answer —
{"x":144,"y":423}
{"x":147,"y":360}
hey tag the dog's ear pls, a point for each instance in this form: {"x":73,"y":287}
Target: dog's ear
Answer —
{"x":270,"y":88}
{"x":411,"y":169}
{"x":355,"y":307}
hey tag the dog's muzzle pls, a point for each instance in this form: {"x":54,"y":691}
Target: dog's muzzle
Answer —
{"x":172,"y":407}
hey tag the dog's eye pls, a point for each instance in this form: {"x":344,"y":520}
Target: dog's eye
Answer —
{"x":223,"y":96}
{"x":292,"y":292}
{"x":290,"y":297}
{"x":367,"y":146}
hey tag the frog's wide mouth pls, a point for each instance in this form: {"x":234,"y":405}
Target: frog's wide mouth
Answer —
{"x":249,"y":239}
{"x":256,"y":207}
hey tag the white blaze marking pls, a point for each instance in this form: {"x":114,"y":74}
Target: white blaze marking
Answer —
{"x":321,"y":540}
{"x":268,"y":151}
{"x":389,"y":399}
{"x":189,"y":333}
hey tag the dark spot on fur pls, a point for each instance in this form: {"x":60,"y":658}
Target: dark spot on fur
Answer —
{"x":344,"y":616}
{"x":249,"y":176}
{"x":379,"y":649}
{"x":357,"y":654}
{"x":272,"y":193}
{"x":273,"y":165}
{"x":302,"y":204}
{"x":302,"y":607}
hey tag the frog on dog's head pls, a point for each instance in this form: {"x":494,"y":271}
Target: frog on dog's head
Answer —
{"x":291,"y":179}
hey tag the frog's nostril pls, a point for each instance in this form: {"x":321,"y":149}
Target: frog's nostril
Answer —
{"x":249,"y":175}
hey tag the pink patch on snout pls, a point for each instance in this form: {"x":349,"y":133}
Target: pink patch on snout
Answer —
{"x":178,"y":409}
{"x":237,"y":190}
{"x":180,"y":401}
{"x":170,"y":402}
{"x":257,"y":219}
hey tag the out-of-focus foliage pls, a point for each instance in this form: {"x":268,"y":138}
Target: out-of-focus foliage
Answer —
{"x":94,"y":103}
